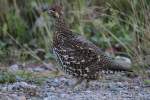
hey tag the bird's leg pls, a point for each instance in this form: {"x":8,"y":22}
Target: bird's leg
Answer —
{"x":57,"y":71}
{"x":87,"y":83}
{"x":77,"y":83}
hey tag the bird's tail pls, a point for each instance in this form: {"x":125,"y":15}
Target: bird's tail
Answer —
{"x":116,"y":66}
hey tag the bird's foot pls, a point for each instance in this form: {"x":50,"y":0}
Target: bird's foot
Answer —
{"x":74,"y":86}
{"x":87,"y":84}
{"x":79,"y":82}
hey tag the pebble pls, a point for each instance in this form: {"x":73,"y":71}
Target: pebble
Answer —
{"x":123,"y":59}
{"x":52,"y":88}
{"x":38,"y":69}
{"x":17,"y":86}
{"x":6,"y":96}
{"x":14,"y":68}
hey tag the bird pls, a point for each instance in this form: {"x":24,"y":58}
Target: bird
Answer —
{"x":77,"y":55}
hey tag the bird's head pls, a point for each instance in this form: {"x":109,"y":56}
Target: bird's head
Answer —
{"x":54,"y":11}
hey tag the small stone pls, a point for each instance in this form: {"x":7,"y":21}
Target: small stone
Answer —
{"x":63,"y":95}
{"x":5,"y":96}
{"x":123,"y":59}
{"x":121,"y":85}
{"x":14,"y":68}
{"x":52,"y":88}
{"x":38,"y":69}
{"x":18,"y":78}
{"x":22,"y":98}
{"x":20,"y":86}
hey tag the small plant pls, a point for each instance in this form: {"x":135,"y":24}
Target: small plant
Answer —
{"x":147,"y":82}
{"x":25,"y":75}
{"x":30,"y":77}
{"x":7,"y":77}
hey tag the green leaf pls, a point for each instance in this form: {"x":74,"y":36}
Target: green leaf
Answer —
{"x":147,"y":82}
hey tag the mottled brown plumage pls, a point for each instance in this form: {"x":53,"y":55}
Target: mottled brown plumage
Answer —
{"x":78,"y":56}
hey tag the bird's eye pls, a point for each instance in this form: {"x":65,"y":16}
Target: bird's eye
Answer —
{"x":52,"y":9}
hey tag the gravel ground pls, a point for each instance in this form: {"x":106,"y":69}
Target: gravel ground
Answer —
{"x":111,"y":87}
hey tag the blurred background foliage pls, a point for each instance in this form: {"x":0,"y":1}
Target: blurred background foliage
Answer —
{"x":121,"y":25}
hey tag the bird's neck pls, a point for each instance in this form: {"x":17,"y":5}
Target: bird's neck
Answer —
{"x":61,"y":25}
{"x":62,"y":28}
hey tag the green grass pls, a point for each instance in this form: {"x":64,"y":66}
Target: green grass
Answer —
{"x":11,"y":77}
{"x":147,"y":82}
{"x":6,"y":77}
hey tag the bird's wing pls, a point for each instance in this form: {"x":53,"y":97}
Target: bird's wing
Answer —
{"x":91,"y":52}
{"x":104,"y":61}
{"x":76,"y":53}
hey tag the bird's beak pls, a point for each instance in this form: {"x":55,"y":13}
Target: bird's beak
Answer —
{"x":53,"y":12}
{"x":50,"y":11}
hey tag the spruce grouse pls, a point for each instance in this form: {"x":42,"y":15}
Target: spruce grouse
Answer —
{"x":78,"y":56}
